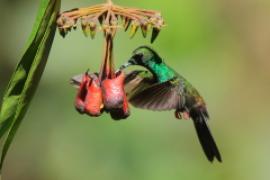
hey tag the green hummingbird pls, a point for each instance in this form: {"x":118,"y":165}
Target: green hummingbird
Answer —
{"x":161,"y":88}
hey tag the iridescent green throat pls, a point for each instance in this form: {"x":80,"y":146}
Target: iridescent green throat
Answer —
{"x":161,"y":71}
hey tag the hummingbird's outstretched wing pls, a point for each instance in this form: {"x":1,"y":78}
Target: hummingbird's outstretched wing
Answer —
{"x":155,"y":96}
{"x":136,"y":81}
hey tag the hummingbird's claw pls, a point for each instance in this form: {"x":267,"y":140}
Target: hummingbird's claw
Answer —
{"x":181,"y":115}
{"x":177,"y":114}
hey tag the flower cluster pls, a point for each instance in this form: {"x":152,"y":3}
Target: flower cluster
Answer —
{"x":95,"y":97}
{"x":104,"y":91}
{"x":108,"y":17}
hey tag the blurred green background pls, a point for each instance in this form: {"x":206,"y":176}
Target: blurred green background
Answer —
{"x":221,"y":46}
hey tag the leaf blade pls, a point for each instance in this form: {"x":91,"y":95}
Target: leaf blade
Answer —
{"x":27,"y":74}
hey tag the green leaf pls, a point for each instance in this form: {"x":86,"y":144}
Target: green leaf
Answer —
{"x":27,"y":74}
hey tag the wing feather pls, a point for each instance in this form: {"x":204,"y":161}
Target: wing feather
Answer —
{"x":138,"y":80}
{"x":159,"y":97}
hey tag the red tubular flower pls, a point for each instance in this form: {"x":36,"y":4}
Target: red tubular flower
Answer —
{"x":81,"y":95}
{"x":93,"y":100}
{"x":113,"y":92}
{"x":114,"y":96}
{"x":121,"y":113}
{"x":89,"y":97}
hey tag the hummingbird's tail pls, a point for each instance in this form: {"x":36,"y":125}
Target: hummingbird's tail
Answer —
{"x":199,"y":116}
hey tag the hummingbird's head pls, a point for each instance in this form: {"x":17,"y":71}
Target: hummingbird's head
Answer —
{"x":142,"y":56}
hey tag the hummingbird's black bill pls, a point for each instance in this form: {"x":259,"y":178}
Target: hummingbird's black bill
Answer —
{"x":127,"y":64}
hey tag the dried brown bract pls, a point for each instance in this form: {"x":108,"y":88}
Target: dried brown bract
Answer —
{"x":108,"y":18}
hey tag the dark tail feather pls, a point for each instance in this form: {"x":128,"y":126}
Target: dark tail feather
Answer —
{"x":207,"y":141}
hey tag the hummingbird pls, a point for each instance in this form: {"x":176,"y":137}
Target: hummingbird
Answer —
{"x":159,"y":88}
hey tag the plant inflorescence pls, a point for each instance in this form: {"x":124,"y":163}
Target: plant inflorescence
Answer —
{"x":108,"y":17}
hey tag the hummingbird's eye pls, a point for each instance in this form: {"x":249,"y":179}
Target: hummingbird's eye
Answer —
{"x":138,"y":58}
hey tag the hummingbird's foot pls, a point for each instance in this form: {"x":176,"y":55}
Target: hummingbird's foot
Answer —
{"x":185,"y":115}
{"x":177,"y":114}
{"x":181,"y":115}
